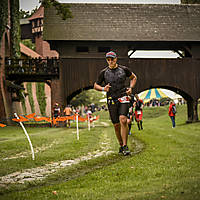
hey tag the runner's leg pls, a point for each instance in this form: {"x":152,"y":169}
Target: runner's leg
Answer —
{"x":124,"y":129}
{"x":123,"y":113}
{"x":141,"y":124}
{"x":114,"y":116}
{"x":138,"y":124}
{"x":118,"y":133}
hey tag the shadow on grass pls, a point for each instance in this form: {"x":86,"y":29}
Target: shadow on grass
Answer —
{"x":188,"y":123}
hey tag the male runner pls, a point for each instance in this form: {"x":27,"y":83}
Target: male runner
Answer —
{"x":114,"y":77}
{"x":138,"y":111}
{"x":131,"y":114}
{"x":68,"y":112}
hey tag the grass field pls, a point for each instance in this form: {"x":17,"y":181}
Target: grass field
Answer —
{"x":165,"y":162}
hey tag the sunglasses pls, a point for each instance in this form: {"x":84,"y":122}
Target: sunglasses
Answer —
{"x":110,"y":59}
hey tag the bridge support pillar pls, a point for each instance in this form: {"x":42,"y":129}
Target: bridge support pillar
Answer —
{"x":57,"y":93}
{"x":192,"y":109}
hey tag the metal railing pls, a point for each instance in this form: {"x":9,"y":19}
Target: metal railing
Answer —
{"x":35,"y":68}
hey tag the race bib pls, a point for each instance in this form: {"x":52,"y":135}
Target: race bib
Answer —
{"x":124,"y":99}
{"x":139,"y":112}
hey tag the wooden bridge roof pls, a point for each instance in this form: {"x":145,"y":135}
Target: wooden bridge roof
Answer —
{"x":125,"y":22}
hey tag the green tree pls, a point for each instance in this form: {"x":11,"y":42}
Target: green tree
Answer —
{"x":26,"y":14}
{"x":15,"y":28}
{"x":80,"y":99}
{"x":4,"y":16}
{"x":28,"y":43}
{"x":87,"y":97}
{"x":190,"y":1}
{"x":62,"y":9}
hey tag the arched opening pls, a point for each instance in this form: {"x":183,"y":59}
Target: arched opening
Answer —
{"x":87,"y":98}
{"x":161,"y":96}
{"x":183,"y":98}
{"x":75,"y":93}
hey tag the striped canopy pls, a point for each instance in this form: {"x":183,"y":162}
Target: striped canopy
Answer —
{"x":155,"y":93}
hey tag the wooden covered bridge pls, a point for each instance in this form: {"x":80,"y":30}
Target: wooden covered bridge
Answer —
{"x":97,"y":28}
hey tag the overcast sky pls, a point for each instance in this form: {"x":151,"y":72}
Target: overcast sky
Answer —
{"x":31,"y":4}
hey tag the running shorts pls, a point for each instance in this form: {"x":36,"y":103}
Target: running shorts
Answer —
{"x":138,"y":115}
{"x":117,"y":109}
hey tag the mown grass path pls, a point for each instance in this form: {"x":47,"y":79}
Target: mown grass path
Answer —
{"x":168,"y":168}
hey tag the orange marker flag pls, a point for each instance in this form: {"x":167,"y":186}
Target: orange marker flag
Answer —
{"x":70,"y":117}
{"x":54,"y":120}
{"x":30,"y":116}
{"x":38,"y":119}
{"x":2,"y":125}
{"x":48,"y":119}
{"x":21,"y":119}
{"x":81,"y":119}
{"x":96,"y":118}
{"x":61,"y":119}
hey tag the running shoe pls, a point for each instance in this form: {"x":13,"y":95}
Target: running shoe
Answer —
{"x":126,"y":150}
{"x":120,"y":149}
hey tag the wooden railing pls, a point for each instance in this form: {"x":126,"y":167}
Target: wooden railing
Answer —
{"x":32,"y":69}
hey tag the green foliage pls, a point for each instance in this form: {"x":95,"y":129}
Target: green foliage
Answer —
{"x":23,"y":105}
{"x":87,"y":97}
{"x":28,"y":43}
{"x":30,"y":96}
{"x":62,"y":9}
{"x":26,"y":14}
{"x":15,"y":29}
{"x":190,"y":1}
{"x":4,"y":16}
{"x":80,"y":99}
{"x":40,"y":92}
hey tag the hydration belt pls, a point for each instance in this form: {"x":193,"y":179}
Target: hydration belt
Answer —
{"x":124,"y":99}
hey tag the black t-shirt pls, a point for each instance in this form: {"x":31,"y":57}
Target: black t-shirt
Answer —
{"x":116,"y":77}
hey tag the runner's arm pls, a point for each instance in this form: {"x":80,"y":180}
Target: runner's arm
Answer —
{"x":100,"y":88}
{"x":133,"y":79}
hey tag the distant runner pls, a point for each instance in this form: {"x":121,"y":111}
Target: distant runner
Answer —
{"x":68,"y":112}
{"x":130,"y":114}
{"x":56,"y":112}
{"x":172,"y":113}
{"x":138,"y":111}
{"x":114,"y":77}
